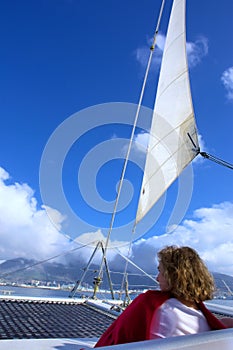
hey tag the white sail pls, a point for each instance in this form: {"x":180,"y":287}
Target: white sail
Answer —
{"x":170,"y":147}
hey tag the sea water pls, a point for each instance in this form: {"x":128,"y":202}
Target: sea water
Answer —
{"x":33,"y":292}
{"x":59,"y":293}
{"x":224,"y":302}
{"x":50,"y":293}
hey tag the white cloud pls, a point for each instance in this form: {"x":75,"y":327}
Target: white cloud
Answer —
{"x":139,"y":146}
{"x":25,"y":231}
{"x":227,"y":80}
{"x":201,"y":143}
{"x":142,"y":53}
{"x":92,"y":238}
{"x":195,"y":51}
{"x":3,"y":174}
{"x":199,"y":159}
{"x":209,"y":232}
{"x":141,"y":141}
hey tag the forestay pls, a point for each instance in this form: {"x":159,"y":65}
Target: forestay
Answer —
{"x":173,"y":138}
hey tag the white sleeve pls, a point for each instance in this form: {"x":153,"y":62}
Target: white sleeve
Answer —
{"x":163,"y":323}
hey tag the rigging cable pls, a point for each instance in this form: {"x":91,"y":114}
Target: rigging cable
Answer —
{"x":43,"y":261}
{"x":135,"y":265}
{"x":209,"y":156}
{"x":135,"y":122}
{"x":216,"y":160}
{"x":131,"y":140}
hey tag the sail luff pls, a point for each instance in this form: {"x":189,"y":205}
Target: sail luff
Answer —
{"x":170,"y":149}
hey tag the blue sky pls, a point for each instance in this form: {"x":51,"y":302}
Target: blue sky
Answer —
{"x":59,"y":57}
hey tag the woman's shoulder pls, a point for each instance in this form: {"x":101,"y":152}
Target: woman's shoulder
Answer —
{"x":154,"y":296}
{"x":178,"y":306}
{"x":158,"y":293}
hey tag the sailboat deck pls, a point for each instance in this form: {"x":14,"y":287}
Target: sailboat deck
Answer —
{"x":52,"y":323}
{"x":30,"y":319}
{"x":37,"y":318}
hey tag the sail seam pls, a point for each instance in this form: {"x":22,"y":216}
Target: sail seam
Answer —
{"x":171,"y":156}
{"x":177,"y":78}
{"x":172,"y":131}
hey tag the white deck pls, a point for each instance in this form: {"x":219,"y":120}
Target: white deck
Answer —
{"x":48,"y":344}
{"x":214,"y":340}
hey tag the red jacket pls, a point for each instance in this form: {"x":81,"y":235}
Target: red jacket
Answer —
{"x":134,"y":323}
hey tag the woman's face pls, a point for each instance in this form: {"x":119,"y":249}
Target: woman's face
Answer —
{"x":161,"y":279}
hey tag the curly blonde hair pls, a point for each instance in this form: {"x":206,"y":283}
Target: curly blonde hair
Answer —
{"x":186,"y":274}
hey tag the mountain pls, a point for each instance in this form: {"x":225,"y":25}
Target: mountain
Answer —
{"x":25,"y":271}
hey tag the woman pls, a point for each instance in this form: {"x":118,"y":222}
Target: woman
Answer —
{"x":177,"y":309}
{"x":185,"y":276}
